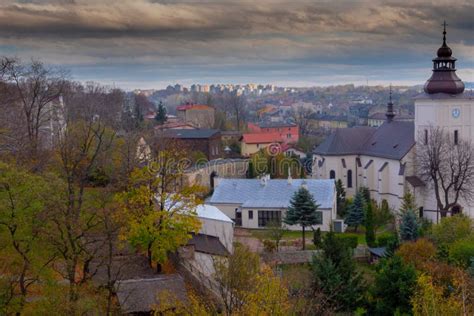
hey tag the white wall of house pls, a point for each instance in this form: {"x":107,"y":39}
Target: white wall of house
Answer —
{"x":221,"y":229}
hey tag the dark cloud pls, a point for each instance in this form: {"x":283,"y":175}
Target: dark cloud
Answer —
{"x":234,"y":39}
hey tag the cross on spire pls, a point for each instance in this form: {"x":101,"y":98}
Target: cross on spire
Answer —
{"x":444,"y":32}
{"x":390,"y":93}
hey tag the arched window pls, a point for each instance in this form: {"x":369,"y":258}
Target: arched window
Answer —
{"x":332,"y":174}
{"x":349,"y":178}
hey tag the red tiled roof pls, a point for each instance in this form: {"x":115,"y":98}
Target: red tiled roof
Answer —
{"x":261,"y":138}
{"x":193,"y":107}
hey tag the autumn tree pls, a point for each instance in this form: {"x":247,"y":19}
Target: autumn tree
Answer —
{"x":303,"y":211}
{"x":447,"y":167}
{"x":24,"y":201}
{"x":159,"y":218}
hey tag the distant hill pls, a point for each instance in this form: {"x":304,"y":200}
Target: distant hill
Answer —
{"x":469,"y":85}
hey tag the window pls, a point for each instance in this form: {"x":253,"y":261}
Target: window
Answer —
{"x":319,"y":215}
{"x":332,"y":174}
{"x":250,"y":214}
{"x":265,"y":217}
{"x":456,"y":137}
{"x":288,"y":135}
{"x":349,"y":178}
{"x":426,"y":137}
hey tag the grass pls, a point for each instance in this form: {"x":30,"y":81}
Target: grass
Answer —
{"x":292,"y":234}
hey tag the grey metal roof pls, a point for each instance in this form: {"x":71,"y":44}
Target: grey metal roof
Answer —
{"x":208,"y":244}
{"x":392,"y":140}
{"x":190,"y":133}
{"x":276,"y":193}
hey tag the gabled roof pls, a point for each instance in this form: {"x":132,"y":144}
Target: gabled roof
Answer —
{"x":208,"y":244}
{"x":392,"y":140}
{"x":276,"y":193}
{"x":211,"y":212}
{"x":190,"y":133}
{"x":345,"y":141}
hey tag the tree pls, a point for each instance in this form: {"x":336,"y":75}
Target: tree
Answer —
{"x":365,"y":193}
{"x":447,"y":168}
{"x":369,"y":225}
{"x":355,"y":211}
{"x":301,"y":115}
{"x":335,"y":275}
{"x":409,"y":226}
{"x":35,"y":88}
{"x":158,"y":221}
{"x":160,"y":116}
{"x":275,"y":231}
{"x":24,"y":200}
{"x":317,"y":238}
{"x":382,"y":215}
{"x":452,"y":229}
{"x":340,"y":199}
{"x":418,"y":253}
{"x":408,"y":202}
{"x":303,"y":211}
{"x":237,"y":108}
{"x":394,"y":285}
{"x":429,"y":299}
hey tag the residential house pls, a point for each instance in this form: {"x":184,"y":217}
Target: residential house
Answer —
{"x":253,"y":142}
{"x":207,"y":141}
{"x":254,"y":203}
{"x":198,"y":115}
{"x":288,"y":132}
{"x":329,"y":122}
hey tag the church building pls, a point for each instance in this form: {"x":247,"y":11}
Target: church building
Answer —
{"x":384,"y":159}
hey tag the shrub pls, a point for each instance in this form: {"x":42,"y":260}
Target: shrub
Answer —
{"x":462,"y":251}
{"x":269,"y":246}
{"x":417,"y":253}
{"x":350,"y":240}
{"x":384,"y":239}
{"x":452,"y":229}
{"x":317,"y":238}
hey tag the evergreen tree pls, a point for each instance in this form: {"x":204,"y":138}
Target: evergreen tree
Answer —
{"x":317,"y":238}
{"x":365,"y":193}
{"x":408,"y":202}
{"x":409,"y":226}
{"x":394,"y":286}
{"x":336,"y":276}
{"x":160,"y":116}
{"x":250,"y":171}
{"x":369,"y":225}
{"x":355,"y":212}
{"x":303,"y":211}
{"x":340,"y":199}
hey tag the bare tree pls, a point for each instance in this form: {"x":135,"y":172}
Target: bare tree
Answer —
{"x":35,"y":87}
{"x":446,"y":163}
{"x":236,"y":105}
{"x":302,"y":116}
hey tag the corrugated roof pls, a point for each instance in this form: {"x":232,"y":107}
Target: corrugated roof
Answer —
{"x":276,"y":193}
{"x":392,"y":140}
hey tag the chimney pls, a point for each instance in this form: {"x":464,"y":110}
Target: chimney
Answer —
{"x":263,"y":180}
{"x":290,"y":180}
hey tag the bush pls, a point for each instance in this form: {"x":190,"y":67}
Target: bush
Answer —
{"x":462,"y":251}
{"x":317,"y":238}
{"x":269,"y":246}
{"x":452,"y":229}
{"x":384,"y":239}
{"x":350,"y":240}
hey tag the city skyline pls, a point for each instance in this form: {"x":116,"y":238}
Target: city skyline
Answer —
{"x":151,"y":44}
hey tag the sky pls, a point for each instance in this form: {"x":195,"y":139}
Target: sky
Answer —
{"x":149,"y":43}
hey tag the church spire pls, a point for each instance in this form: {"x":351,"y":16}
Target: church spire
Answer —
{"x":444,"y":78}
{"x":390,"y":114}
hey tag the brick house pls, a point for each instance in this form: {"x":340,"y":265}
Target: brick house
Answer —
{"x":207,"y":141}
{"x":198,"y":115}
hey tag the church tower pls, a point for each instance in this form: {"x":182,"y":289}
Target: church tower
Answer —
{"x":444,"y":104}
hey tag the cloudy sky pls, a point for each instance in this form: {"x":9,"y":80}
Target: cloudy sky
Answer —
{"x":151,"y":43}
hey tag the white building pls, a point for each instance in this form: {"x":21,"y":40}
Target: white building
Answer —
{"x":384,"y":158}
{"x":253,"y":203}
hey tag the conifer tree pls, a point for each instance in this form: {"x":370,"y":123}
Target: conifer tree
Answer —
{"x":303,"y":211}
{"x":409,"y":226}
{"x":369,"y":225}
{"x":160,"y":116}
{"x":340,"y":199}
{"x":408,"y":202}
{"x":355,"y":212}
